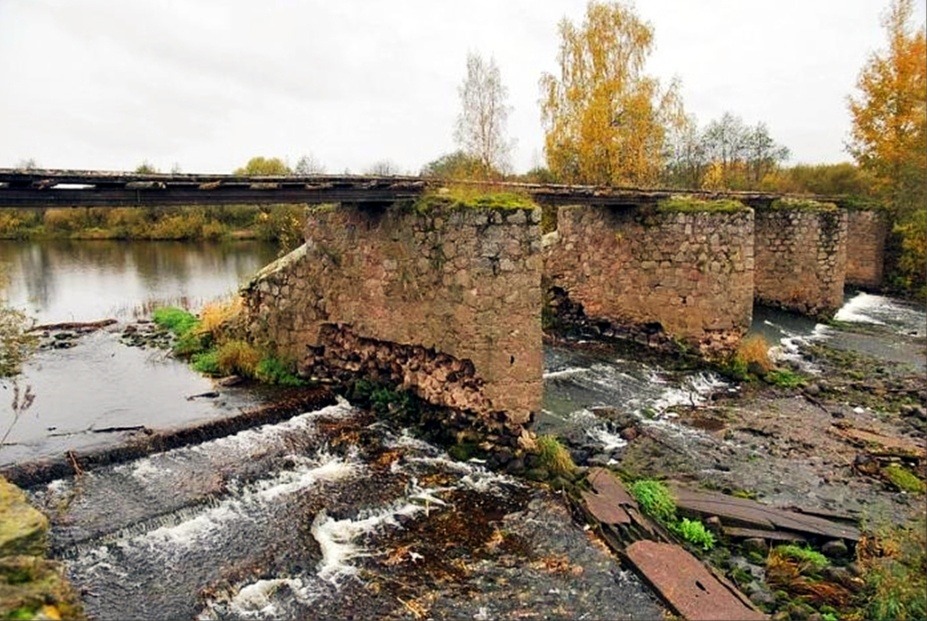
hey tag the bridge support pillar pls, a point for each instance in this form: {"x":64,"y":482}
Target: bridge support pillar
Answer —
{"x":443,"y":301}
{"x":867,"y":232}
{"x":801,"y":256}
{"x":656,"y":274}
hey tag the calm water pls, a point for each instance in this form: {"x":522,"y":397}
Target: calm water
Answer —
{"x":101,"y":383}
{"x":90,"y":280}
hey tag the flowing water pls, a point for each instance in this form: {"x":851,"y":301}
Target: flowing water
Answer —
{"x":333,"y":514}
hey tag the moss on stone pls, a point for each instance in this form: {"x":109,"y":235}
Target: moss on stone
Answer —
{"x":904,"y":479}
{"x":32,"y":587}
{"x":801,"y":204}
{"x":690,"y":204}
{"x":471,"y":198}
{"x":22,"y":528}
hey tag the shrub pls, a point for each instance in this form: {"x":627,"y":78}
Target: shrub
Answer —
{"x":555,"y":457}
{"x":216,"y":318}
{"x":282,"y":224}
{"x":272,"y":370}
{"x":207,"y":363}
{"x":753,"y":355}
{"x":695,"y":533}
{"x":655,"y":499}
{"x":894,"y":563}
{"x":65,"y":219}
{"x":237,"y":357}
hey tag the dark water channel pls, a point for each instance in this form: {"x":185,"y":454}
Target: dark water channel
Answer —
{"x":331,"y":514}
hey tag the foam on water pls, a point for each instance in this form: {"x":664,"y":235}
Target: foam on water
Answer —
{"x":608,"y":439}
{"x":338,"y":538}
{"x":256,"y":600}
{"x":565,"y":373}
{"x":695,"y":391}
{"x":880,"y":310}
{"x":859,"y":309}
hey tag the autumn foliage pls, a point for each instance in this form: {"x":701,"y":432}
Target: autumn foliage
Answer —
{"x":606,"y":122}
{"x":889,"y":137}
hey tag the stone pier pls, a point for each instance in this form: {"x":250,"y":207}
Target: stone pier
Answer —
{"x":662,"y":272}
{"x":867,"y":232}
{"x":440,"y":298}
{"x":801,"y":256}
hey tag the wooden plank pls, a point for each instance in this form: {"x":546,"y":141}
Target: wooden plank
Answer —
{"x":771,"y":535}
{"x":881,"y":445}
{"x":686,"y":585}
{"x":751,"y":514}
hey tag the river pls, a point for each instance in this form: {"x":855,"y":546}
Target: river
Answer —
{"x":331,"y":514}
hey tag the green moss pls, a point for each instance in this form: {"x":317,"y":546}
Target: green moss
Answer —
{"x":655,"y":499}
{"x":690,"y":204}
{"x":801,"y":204}
{"x":904,"y":479}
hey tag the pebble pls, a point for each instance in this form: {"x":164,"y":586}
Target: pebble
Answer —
{"x":835,"y":549}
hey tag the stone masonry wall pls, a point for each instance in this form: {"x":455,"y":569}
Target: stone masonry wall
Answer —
{"x":457,"y":290}
{"x":801,"y":257}
{"x":867,"y":232}
{"x":691,"y":273}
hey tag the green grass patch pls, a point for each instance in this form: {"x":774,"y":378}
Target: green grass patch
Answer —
{"x":904,"y":479}
{"x":238,"y":357}
{"x":554,"y":457}
{"x":894,"y":564}
{"x":690,"y":204}
{"x":177,"y":320}
{"x":695,"y":533}
{"x":655,"y":499}
{"x":784,"y":378}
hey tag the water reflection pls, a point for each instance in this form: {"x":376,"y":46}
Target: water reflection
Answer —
{"x":67,"y":280}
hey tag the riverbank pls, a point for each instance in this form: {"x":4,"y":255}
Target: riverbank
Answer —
{"x":281,"y":224}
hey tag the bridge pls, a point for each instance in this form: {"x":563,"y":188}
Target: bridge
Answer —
{"x":446,"y":299}
{"x":82,"y":188}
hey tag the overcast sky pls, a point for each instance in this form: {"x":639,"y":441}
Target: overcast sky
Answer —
{"x":206,"y":84}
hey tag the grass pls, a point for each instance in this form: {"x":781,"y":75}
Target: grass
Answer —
{"x":785,"y":204}
{"x":209,"y":343}
{"x":808,"y":560}
{"x":554,"y":457}
{"x":904,"y":479}
{"x":687,"y":204}
{"x":655,"y":499}
{"x":893,"y":560}
{"x":475,"y":196}
{"x":177,"y":320}
{"x":784,"y":378}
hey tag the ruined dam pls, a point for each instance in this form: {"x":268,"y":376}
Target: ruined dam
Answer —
{"x":403,"y":282}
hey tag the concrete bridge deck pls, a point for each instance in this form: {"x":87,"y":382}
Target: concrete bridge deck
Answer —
{"x":82,"y":188}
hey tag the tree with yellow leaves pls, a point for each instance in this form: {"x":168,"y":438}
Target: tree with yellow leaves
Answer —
{"x":605,"y":120}
{"x":889,"y":135}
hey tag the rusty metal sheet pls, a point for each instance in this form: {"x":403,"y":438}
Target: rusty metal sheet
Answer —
{"x":607,"y":484}
{"x":686,"y":585}
{"x":604,"y":510}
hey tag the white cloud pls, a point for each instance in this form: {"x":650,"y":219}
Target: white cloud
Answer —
{"x":208,"y":84}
